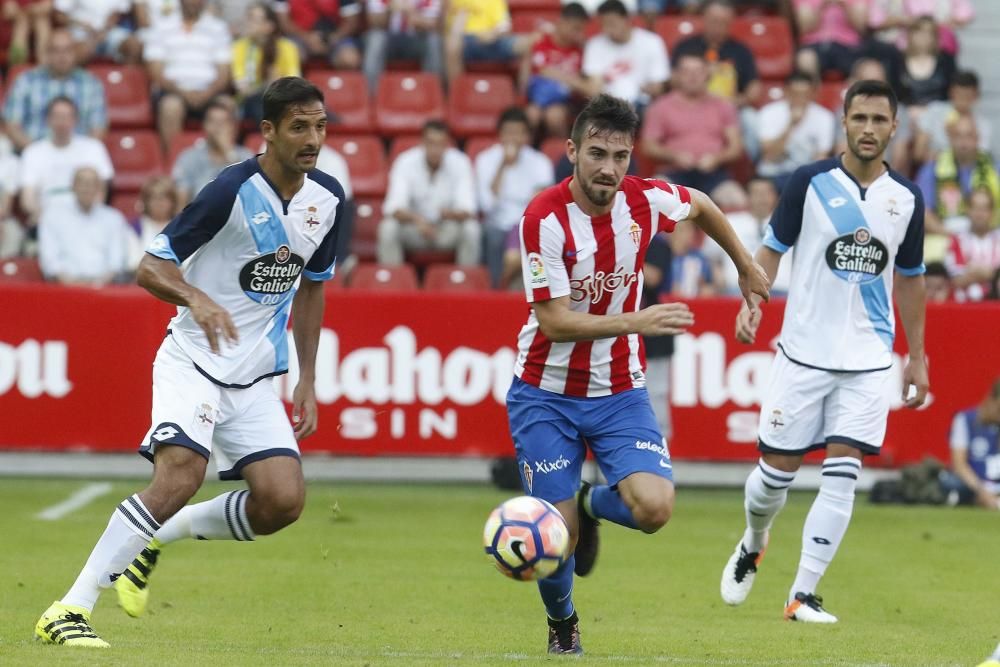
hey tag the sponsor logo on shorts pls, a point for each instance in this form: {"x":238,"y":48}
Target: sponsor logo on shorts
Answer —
{"x":164,"y":433}
{"x":660,"y":449}
{"x":527,"y":475}
{"x":545,"y":466}
{"x":536,"y":267}
{"x":857,"y":257}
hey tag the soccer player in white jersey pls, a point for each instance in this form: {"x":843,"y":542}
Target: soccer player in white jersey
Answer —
{"x":257,"y":241}
{"x":579,"y":373}
{"x":854,"y":223}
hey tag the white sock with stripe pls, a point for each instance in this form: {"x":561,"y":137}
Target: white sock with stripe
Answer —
{"x":130,"y":529}
{"x":827,"y":521}
{"x":221,"y":518}
{"x":766,"y":491}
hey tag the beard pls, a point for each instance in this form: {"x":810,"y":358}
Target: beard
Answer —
{"x":596,"y":197}
{"x":867,"y":156}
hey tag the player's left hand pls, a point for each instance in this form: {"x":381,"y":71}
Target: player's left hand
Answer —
{"x":915,"y":375}
{"x":304,"y":414}
{"x":754,"y":281}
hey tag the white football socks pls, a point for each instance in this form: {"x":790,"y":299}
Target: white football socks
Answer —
{"x":131,"y":527}
{"x":221,"y":518}
{"x":765,"y":493}
{"x":827,"y":521}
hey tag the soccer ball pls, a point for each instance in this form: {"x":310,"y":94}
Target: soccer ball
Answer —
{"x":526,"y":538}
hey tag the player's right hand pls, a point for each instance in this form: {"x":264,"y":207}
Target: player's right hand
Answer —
{"x":664,"y":319}
{"x":214,"y":320}
{"x":747,"y":323}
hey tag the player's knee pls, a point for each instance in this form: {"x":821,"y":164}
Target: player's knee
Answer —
{"x":652,"y":514}
{"x":275,"y":510}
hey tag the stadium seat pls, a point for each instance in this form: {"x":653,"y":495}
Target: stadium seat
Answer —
{"x":380,"y":277}
{"x":127,"y":203}
{"x":770,"y":40}
{"x":365,"y":159}
{"x":554,"y":148}
{"x":181,"y":142}
{"x":452,"y":278}
{"x":406,"y":100}
{"x":127,"y":90}
{"x":532,"y":20}
{"x":347,"y":97}
{"x":135,"y":156}
{"x":367,"y":215}
{"x":517,"y":5}
{"x":20,"y":270}
{"x":425,"y":258}
{"x":477,"y":145}
{"x":476,"y":100}
{"x":831,"y":95}
{"x":673,"y":29}
{"x":773,"y":91}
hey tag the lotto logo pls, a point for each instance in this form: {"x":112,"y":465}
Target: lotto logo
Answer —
{"x":164,"y":433}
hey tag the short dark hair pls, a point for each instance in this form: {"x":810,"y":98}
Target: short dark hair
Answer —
{"x":612,"y":7}
{"x":434,"y":125}
{"x":286,"y":92}
{"x":513,"y":115}
{"x":798,"y":75}
{"x":220,"y":103}
{"x":965,"y":78}
{"x":60,"y":99}
{"x":936,"y":269}
{"x":574,"y":10}
{"x":871,"y":88}
{"x":605,"y":113}
{"x":725,"y":4}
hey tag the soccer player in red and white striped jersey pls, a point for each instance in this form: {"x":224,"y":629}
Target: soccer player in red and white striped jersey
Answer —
{"x":579,"y":374}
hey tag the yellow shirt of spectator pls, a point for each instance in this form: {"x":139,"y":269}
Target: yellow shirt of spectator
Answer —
{"x":247,"y":57}
{"x":481,"y":16}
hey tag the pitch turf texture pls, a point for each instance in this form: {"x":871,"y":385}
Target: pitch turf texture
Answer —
{"x":395,"y":575}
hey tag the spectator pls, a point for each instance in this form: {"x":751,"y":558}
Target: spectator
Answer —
{"x":48,"y":165}
{"x":692,"y":134}
{"x":405,"y":30}
{"x":260,"y":57}
{"x":749,"y":224}
{"x":624,"y":61}
{"x":188,"y":59}
{"x":657,"y":272}
{"x":326,"y":29}
{"x":95,"y":27}
{"x":235,"y":12}
{"x":733,"y":72}
{"x":793,"y":131}
{"x":948,"y":180}
{"x":158,"y":205}
{"x":974,"y":254}
{"x":891,"y":18}
{"x":898,"y":150}
{"x":151,"y":15}
{"x":28,"y":18}
{"x":508,"y":176}
{"x":690,"y":271}
{"x":550,"y":72}
{"x":479,"y":31}
{"x":591,"y":6}
{"x":932,"y":130}
{"x":975,"y":454}
{"x":830,"y":34}
{"x":82,"y":241}
{"x":29,"y":98}
{"x":431,"y":203}
{"x":11,"y":231}
{"x":201,"y":163}
{"x":927,"y":70}
{"x":938,"y":281}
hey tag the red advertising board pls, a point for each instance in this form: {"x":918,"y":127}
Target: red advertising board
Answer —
{"x":425,"y":374}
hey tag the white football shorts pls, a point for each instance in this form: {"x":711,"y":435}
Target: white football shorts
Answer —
{"x":240,"y":426}
{"x":806,"y":408}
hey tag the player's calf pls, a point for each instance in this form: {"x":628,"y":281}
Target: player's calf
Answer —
{"x":650,"y":499}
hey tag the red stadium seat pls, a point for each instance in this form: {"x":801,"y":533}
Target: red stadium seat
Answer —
{"x":379,"y":277}
{"x":773,"y":91}
{"x":770,"y":40}
{"x":128,"y":203}
{"x":367,"y":215}
{"x":554,"y":149}
{"x":831,"y":95}
{"x":20,"y":270}
{"x":424,"y":258}
{"x":407,"y":100}
{"x":452,"y":278}
{"x":673,"y":29}
{"x":475,"y":101}
{"x":135,"y":156}
{"x":127,"y":91}
{"x":347,"y":97}
{"x":532,"y":21}
{"x":181,"y":142}
{"x":516,"y":5}
{"x":365,"y":159}
{"x":477,"y":145}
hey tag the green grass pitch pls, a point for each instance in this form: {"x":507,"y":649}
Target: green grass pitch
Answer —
{"x":395,"y":575}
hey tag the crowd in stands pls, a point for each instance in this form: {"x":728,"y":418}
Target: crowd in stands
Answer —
{"x":447,"y":116}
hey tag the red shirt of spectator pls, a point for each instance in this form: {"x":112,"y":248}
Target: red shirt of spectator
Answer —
{"x":546,"y":53}
{"x":306,"y":14}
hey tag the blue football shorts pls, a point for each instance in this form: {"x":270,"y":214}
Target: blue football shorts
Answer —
{"x":552,"y":431}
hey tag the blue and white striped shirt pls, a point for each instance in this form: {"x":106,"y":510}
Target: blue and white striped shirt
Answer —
{"x":33,"y":90}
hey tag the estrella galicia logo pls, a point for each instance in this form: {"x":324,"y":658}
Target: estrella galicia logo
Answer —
{"x":857,"y":257}
{"x":266,"y":278}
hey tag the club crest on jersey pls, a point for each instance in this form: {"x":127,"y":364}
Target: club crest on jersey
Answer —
{"x":635,"y":231}
{"x":536,"y":267}
{"x":857,"y":257}
{"x":312,"y":219}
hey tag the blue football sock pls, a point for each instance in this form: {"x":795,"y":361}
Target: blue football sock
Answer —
{"x":557,"y":591}
{"x":606,"y":503}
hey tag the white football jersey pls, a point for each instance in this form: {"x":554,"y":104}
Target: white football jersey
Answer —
{"x":247,"y":249}
{"x":848,"y":240}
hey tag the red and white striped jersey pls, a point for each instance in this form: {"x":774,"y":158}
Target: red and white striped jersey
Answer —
{"x":967,"y":250}
{"x":597,"y":262}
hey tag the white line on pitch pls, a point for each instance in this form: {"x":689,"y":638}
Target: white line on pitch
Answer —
{"x":74,"y":502}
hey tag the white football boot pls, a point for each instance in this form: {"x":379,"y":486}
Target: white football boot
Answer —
{"x":808,"y":608}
